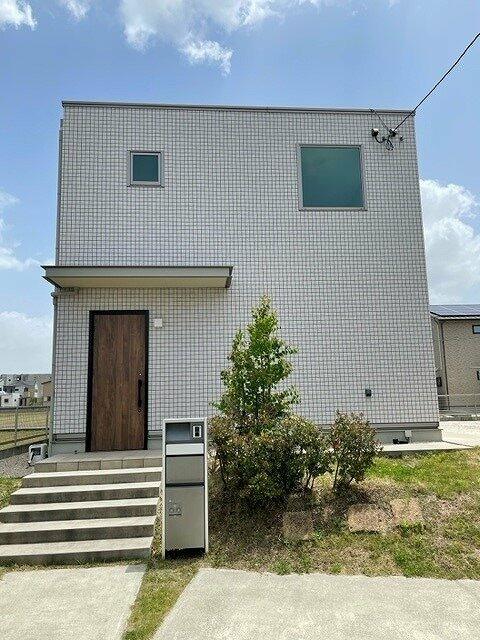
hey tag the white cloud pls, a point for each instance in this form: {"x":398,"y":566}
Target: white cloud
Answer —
{"x":6,"y":200}
{"x":452,"y":242}
{"x":16,"y":13}
{"x":26,"y":342}
{"x":8,"y":259}
{"x":189,"y":24}
{"x":208,"y":51}
{"x":78,"y":8}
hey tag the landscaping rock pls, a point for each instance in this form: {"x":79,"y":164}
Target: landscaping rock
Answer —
{"x":328,"y":513}
{"x":367,"y":518}
{"x":297,"y":526}
{"x":406,"y":512}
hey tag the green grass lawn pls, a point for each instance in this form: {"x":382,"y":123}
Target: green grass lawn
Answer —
{"x":447,"y":486}
{"x":7,"y":486}
{"x":163,"y":582}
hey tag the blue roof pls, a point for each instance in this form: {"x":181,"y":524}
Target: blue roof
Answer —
{"x":455,"y":310}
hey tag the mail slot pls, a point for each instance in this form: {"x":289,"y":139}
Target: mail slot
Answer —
{"x":185,"y":507}
{"x":184,"y":469}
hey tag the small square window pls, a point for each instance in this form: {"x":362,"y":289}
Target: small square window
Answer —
{"x":331,"y":177}
{"x":476,"y":328}
{"x":478,"y":375}
{"x":145,"y":168}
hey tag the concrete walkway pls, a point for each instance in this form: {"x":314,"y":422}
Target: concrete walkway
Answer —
{"x":68,"y":604}
{"x":238,"y":605}
{"x":455,"y":435}
{"x":464,"y":432}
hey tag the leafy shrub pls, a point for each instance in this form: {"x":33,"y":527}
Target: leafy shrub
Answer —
{"x":270,"y":465}
{"x":352,"y":446}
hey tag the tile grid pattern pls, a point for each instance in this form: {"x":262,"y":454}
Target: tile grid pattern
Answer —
{"x":350,"y":286}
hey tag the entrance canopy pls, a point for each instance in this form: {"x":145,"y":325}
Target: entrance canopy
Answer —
{"x":133,"y":277}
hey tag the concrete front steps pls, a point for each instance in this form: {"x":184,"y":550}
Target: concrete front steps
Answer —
{"x":96,"y":476}
{"x":81,"y":515}
{"x":87,"y":492}
{"x":77,"y":551}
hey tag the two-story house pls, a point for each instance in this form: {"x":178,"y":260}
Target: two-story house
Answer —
{"x":173,"y":221}
{"x":12,"y":390}
{"x":21,"y":390}
{"x":456,"y":343}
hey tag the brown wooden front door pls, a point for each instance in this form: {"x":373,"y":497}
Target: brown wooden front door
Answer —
{"x":117,"y":411}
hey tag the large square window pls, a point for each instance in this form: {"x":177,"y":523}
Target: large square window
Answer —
{"x":145,"y":168}
{"x":331,"y":177}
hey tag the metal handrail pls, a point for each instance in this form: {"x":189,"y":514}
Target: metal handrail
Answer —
{"x":459,"y":401}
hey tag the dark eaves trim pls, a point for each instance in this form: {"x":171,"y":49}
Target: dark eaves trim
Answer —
{"x":226,"y":107}
{"x":438,"y":317}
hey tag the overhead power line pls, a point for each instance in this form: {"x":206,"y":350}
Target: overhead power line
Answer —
{"x":392,"y":133}
{"x":439,"y":82}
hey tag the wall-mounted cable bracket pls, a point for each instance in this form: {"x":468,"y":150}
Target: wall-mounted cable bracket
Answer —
{"x":386,"y":139}
{"x":393,"y":133}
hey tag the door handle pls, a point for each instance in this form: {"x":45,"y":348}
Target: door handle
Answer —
{"x":139,"y":393}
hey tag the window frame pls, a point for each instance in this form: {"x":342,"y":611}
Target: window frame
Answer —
{"x":301,"y":206}
{"x":475,"y":333}
{"x":145,"y":183}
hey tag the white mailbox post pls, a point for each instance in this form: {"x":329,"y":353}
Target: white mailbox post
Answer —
{"x":184,"y":485}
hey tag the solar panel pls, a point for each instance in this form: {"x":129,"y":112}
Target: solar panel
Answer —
{"x":455,"y":310}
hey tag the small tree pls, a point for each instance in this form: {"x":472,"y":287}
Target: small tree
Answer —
{"x":260,"y":362}
{"x":353,"y":446}
{"x":263,"y":451}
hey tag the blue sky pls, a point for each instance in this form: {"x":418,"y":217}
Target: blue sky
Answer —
{"x":370,"y":53}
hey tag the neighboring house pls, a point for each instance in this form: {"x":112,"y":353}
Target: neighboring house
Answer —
{"x":456,"y":340}
{"x":11,"y":391}
{"x":7,"y":380}
{"x":23,"y":378}
{"x":30,"y":394}
{"x":47,"y":392}
{"x":22,"y":389}
{"x":9,"y":397}
{"x":174,"y":220}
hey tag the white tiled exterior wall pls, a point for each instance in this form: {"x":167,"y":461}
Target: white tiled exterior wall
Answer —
{"x":350,"y":286}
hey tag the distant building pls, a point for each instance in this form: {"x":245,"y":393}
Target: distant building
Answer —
{"x":47,"y":392}
{"x":9,"y":397}
{"x":31,"y":394}
{"x":22,"y":389}
{"x":456,"y":342}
